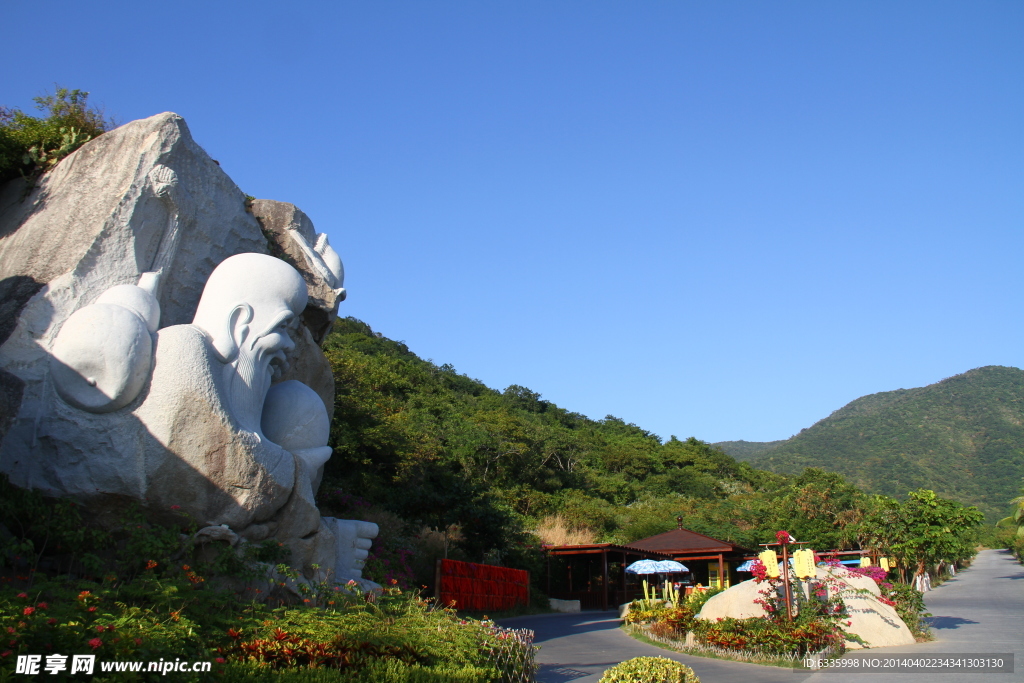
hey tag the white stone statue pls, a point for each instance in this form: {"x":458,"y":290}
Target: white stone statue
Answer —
{"x":250,"y":307}
{"x":159,"y":389}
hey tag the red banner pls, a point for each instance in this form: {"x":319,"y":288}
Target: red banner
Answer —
{"x":482,"y":587}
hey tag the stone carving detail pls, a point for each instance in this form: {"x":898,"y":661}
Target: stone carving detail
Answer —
{"x":149,"y":347}
{"x":103,"y":353}
{"x":295,"y":238}
{"x":354,"y":539}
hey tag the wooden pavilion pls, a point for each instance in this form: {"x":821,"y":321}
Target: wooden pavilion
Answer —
{"x":595,"y":574}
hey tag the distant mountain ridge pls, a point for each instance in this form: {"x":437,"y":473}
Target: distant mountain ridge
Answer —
{"x":963,"y":437}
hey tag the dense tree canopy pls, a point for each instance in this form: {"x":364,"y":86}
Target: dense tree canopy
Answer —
{"x":442,"y":450}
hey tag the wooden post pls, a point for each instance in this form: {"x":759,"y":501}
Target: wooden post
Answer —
{"x":785,"y":572}
{"x":785,"y":581}
{"x":625,"y":561}
{"x":721,"y":569}
{"x":549,"y":572}
{"x":604,"y":578}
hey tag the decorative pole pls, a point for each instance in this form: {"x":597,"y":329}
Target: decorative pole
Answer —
{"x":784,"y":540}
{"x":785,"y":579}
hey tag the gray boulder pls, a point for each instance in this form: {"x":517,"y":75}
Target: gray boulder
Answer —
{"x":871,"y":621}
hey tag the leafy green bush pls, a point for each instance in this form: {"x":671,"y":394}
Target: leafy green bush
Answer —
{"x":695,"y":601}
{"x":649,"y":670}
{"x":643,"y":611}
{"x":30,"y":146}
{"x":909,"y":604}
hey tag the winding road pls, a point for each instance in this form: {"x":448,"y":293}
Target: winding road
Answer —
{"x":981,"y":610}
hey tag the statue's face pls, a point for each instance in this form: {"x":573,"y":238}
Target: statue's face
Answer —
{"x":272,"y":345}
{"x":251,"y":306}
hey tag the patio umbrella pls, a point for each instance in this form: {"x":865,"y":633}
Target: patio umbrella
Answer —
{"x":656,"y":567}
{"x":644,"y":567}
{"x":747,"y":566}
{"x":671,"y":567}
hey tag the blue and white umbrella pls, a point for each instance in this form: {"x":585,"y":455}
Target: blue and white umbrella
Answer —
{"x":656,"y":567}
{"x":747,"y":566}
{"x":672,"y":567}
{"x":644,"y":567}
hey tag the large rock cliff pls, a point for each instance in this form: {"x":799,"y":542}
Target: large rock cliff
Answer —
{"x":143,"y":214}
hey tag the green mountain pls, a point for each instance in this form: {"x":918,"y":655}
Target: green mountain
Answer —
{"x":449,"y":465}
{"x":438,"y":448}
{"x":963,"y":437}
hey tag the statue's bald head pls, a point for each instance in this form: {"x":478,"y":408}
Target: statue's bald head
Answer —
{"x":246,"y":297}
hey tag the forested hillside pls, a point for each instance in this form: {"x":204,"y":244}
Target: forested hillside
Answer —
{"x":442,"y":453}
{"x":747,"y":451}
{"x":962,"y":437}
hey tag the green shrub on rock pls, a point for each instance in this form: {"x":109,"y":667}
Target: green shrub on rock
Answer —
{"x":649,"y":670}
{"x":30,"y":146}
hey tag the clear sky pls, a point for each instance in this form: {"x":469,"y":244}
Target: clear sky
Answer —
{"x":713,"y":219}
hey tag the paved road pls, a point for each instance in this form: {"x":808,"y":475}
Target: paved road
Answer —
{"x":981,"y":610}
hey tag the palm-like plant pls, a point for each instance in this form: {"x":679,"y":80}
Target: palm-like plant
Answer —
{"x":1017,"y":517}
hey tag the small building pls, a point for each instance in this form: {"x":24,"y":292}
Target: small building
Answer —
{"x":595,"y":574}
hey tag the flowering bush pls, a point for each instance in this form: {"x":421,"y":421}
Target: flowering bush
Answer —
{"x":875,"y":573}
{"x":162,"y":598}
{"x":759,"y":571}
{"x":774,"y":636}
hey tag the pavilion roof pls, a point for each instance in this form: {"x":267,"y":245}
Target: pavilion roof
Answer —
{"x":685,"y":542}
{"x":595,"y":548}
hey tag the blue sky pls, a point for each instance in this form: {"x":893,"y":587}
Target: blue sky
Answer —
{"x":713,"y":219}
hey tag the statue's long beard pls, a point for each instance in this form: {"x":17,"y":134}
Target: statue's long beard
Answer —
{"x":250,"y":375}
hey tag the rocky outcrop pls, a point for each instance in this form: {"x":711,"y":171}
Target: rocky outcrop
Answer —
{"x":292,"y":237}
{"x":872,"y":622}
{"x":136,"y":359}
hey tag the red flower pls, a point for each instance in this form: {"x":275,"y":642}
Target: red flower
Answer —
{"x":151,"y":564}
{"x":28,"y":610}
{"x":92,"y":609}
{"x":95,"y":643}
{"x":43,"y":605}
{"x":51,"y":621}
{"x":220,"y":660}
{"x":782,"y":536}
{"x":22,"y":595}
